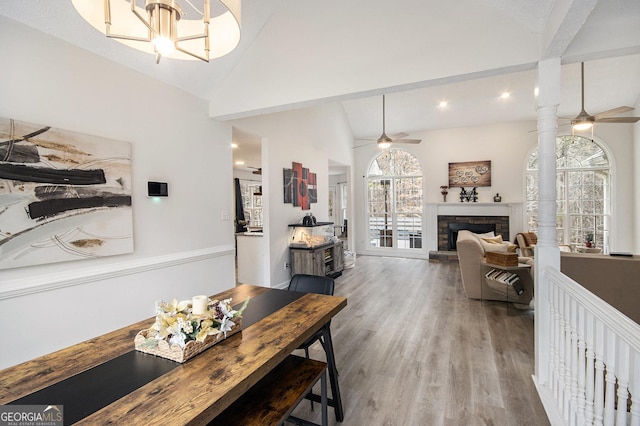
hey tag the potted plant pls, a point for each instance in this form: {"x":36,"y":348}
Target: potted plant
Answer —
{"x":588,"y":239}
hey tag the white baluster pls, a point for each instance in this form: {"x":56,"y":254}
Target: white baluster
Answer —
{"x":567,"y":357}
{"x":581,"y":365}
{"x":610,"y":379}
{"x":635,"y":390}
{"x":573,"y":357}
{"x":552,"y":316}
{"x":623,"y":382}
{"x":561,"y":352}
{"x":590,"y":369}
{"x":599,"y":396}
{"x":555,"y":342}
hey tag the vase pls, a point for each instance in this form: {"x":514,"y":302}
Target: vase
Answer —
{"x":497,"y":198}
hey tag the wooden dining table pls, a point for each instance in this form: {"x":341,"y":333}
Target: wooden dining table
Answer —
{"x":96,"y":378}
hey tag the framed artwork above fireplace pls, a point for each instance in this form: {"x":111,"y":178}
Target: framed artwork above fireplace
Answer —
{"x":470,"y":174}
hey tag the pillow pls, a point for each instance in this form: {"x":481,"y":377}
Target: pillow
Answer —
{"x":492,"y":240}
{"x":496,"y":244}
{"x":490,"y":234}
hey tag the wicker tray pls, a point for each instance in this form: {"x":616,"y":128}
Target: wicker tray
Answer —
{"x":502,"y":259}
{"x":162,"y":349}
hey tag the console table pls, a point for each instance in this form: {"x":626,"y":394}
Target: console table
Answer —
{"x":324,"y":260}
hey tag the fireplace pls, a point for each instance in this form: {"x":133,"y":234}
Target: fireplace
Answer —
{"x":448,"y":227}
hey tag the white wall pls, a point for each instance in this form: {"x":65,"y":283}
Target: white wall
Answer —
{"x":182,"y":245}
{"x":312,"y":137}
{"x":507,"y":146}
{"x":618,"y":138}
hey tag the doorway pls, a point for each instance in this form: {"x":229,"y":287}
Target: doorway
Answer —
{"x":339,"y":211}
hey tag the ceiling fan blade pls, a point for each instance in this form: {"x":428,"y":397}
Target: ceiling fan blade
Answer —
{"x":613,"y":111}
{"x":414,"y":141}
{"x":398,"y":136}
{"x":361,"y":145}
{"x":618,"y":120}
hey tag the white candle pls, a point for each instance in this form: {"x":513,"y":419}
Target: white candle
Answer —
{"x":199,"y":304}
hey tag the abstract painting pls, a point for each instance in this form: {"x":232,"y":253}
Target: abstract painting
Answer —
{"x":300,"y":186}
{"x":472,"y":173}
{"x":63,"y":195}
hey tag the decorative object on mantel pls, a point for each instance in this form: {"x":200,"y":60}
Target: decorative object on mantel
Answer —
{"x":184,"y":329}
{"x":444,"y":191}
{"x":468,"y":196}
{"x":300,"y":186}
{"x":497,"y":198}
{"x":476,"y":173}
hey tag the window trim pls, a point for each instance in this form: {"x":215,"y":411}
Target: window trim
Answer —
{"x":394,"y":250}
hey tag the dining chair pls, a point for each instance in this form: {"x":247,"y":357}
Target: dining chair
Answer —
{"x":321,"y":285}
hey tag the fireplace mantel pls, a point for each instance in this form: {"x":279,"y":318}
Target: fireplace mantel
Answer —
{"x":433,"y":210}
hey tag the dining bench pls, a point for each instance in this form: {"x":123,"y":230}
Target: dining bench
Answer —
{"x":272,"y":400}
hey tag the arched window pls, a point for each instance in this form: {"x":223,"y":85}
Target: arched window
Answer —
{"x":394,"y":201}
{"x":583,"y":192}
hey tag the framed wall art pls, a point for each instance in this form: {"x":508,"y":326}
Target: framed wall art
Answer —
{"x":63,"y":195}
{"x":300,"y":186}
{"x":472,"y":173}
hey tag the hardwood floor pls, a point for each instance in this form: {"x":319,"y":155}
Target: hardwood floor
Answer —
{"x":411,"y":349}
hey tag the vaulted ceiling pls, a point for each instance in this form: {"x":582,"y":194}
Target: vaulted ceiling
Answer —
{"x":297,"y":53}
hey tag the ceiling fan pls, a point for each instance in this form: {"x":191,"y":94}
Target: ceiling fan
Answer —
{"x":385,"y":141}
{"x":585,"y":121}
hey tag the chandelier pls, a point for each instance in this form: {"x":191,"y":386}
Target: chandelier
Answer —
{"x":167,"y":29}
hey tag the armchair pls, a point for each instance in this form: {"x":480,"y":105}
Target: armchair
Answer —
{"x":471,"y":254}
{"x":526,"y":243}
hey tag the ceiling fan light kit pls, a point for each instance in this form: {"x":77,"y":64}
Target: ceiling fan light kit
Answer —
{"x":585,"y":121}
{"x":161,"y":26}
{"x":384,"y":142}
{"x":582,"y":122}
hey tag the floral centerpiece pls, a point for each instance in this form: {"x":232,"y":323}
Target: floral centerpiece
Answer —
{"x":182,"y":330}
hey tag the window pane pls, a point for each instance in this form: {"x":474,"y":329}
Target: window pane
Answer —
{"x":408,"y":195}
{"x":410,"y":230}
{"x":380,"y":233}
{"x":582,"y":191}
{"x":405,"y":164}
{"x":379,"y":196}
{"x":252,"y":204}
{"x":381,"y":166}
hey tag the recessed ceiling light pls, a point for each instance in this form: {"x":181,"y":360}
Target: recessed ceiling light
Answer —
{"x":234,"y":145}
{"x":505,"y":95}
{"x":239,"y":163}
{"x":443,"y":104}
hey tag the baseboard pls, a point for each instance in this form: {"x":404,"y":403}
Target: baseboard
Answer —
{"x":550,"y":407}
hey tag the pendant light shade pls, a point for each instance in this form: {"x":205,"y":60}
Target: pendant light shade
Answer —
{"x":165,"y":27}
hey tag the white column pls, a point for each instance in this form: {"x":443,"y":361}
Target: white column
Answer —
{"x":546,"y":252}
